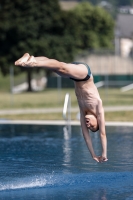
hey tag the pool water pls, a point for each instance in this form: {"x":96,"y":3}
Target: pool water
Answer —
{"x":43,"y":162}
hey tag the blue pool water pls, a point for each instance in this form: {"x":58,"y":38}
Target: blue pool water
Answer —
{"x":41,"y":162}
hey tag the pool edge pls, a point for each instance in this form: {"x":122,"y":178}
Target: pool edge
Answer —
{"x":60,"y":122}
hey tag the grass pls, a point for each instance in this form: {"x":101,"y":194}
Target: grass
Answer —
{"x":53,"y":98}
{"x":48,"y":98}
{"x":114,"y":97}
{"x":122,"y":116}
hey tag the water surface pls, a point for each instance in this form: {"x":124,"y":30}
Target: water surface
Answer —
{"x":42,"y":162}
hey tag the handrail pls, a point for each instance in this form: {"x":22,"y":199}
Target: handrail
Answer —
{"x":65,"y":106}
{"x":67,"y":112}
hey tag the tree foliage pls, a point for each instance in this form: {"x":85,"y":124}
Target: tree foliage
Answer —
{"x":40,"y":27}
{"x":95,"y":27}
{"x":36,"y":27}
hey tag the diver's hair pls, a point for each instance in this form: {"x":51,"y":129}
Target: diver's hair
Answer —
{"x":96,"y":129}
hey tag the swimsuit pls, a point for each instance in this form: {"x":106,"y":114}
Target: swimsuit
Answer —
{"x":88,"y":75}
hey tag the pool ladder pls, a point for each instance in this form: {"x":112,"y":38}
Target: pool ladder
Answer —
{"x":67,"y":114}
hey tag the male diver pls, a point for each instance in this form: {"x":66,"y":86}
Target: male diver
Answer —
{"x":90,"y":103}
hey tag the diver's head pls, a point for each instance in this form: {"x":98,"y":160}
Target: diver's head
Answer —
{"x":91,"y":122}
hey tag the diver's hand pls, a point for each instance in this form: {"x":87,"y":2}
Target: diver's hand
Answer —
{"x":100,"y":159}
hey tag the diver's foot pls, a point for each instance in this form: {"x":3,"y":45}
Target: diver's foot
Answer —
{"x":31,"y":62}
{"x":23,"y":59}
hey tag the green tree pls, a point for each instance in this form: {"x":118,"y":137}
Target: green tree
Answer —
{"x":95,"y":27}
{"x":38,"y":27}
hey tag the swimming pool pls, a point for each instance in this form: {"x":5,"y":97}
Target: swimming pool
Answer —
{"x":41,"y":162}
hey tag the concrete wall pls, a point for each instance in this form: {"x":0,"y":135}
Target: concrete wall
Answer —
{"x":108,"y":64}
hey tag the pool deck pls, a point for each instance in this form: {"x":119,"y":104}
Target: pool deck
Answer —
{"x":58,"y":110}
{"x":60,"y":122}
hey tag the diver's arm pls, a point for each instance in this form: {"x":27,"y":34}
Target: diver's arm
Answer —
{"x":87,"y":137}
{"x":101,"y":122}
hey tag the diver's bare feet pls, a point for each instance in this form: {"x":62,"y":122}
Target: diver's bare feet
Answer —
{"x":31,"y":62}
{"x":22,"y":60}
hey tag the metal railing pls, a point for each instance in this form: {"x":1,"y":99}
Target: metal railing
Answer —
{"x":67,"y":113}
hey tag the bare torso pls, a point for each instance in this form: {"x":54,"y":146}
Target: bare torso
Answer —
{"x":88,"y":96}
